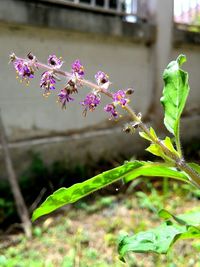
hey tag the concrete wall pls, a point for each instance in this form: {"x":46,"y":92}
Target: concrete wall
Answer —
{"x":122,"y":50}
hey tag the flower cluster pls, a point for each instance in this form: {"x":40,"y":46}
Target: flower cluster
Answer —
{"x":64,"y":97}
{"x":120,"y":98}
{"x":91,"y":101}
{"x":47,"y":82}
{"x":78,"y":69}
{"x":26,"y":68}
{"x":111,"y":108}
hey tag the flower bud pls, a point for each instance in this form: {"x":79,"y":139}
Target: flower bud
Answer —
{"x":129,"y":91}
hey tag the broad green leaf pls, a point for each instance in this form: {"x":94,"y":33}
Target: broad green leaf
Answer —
{"x":128,"y":172}
{"x":157,"y":240}
{"x":175,"y":94}
{"x":65,"y":196}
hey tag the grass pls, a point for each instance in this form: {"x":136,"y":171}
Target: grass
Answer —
{"x":86,"y":233}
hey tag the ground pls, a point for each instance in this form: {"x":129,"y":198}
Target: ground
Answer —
{"x":86,"y":233}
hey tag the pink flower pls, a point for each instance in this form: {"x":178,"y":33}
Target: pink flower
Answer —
{"x":64,"y":97}
{"x":120,"y":98}
{"x":91,"y":101}
{"x":23,"y":68}
{"x":47,"y":82}
{"x":78,"y":69}
{"x":110,"y":108}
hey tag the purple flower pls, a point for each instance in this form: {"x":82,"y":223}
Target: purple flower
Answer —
{"x":64,"y":97}
{"x":91,"y":101}
{"x":47,"y":82}
{"x":101,"y":78}
{"x":54,"y":61}
{"x":110,"y":108}
{"x":23,"y":68}
{"x":78,"y":69}
{"x":120,"y":98}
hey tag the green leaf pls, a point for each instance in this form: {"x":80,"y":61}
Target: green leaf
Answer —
{"x":175,"y":94}
{"x":153,"y":169}
{"x":65,"y":196}
{"x":169,"y":145}
{"x":164,"y":214}
{"x":157,"y":240}
{"x":145,"y":136}
{"x":156,"y":150}
{"x":161,"y":238}
{"x":153,"y":133}
{"x":128,"y":172}
{"x":190,"y":218}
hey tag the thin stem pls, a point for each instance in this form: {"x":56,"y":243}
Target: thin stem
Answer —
{"x":178,"y":142}
{"x":195,"y":177}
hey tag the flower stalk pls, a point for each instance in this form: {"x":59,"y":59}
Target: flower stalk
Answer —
{"x":26,"y":68}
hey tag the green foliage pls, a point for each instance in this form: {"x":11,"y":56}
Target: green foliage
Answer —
{"x":156,"y":150}
{"x":188,"y":218}
{"x":160,"y":239}
{"x":128,"y":172}
{"x":175,"y":94}
{"x":60,"y":236}
{"x":145,"y":136}
{"x":168,"y":143}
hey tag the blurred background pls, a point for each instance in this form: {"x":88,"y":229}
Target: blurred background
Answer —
{"x":132,"y":41}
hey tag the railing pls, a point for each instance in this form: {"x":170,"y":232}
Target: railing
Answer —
{"x":187,"y":12}
{"x":127,"y":8}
